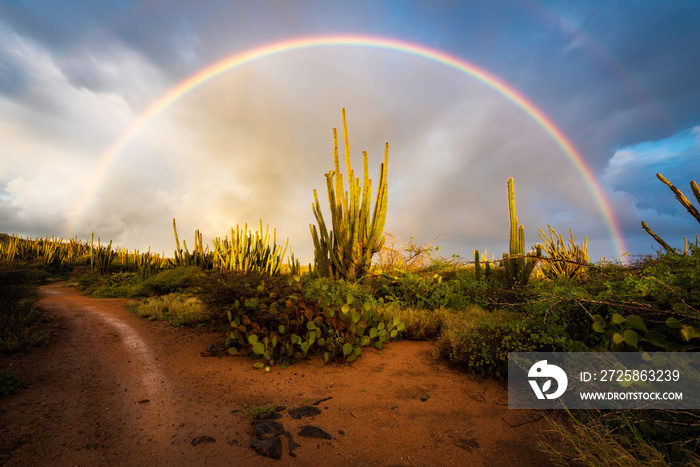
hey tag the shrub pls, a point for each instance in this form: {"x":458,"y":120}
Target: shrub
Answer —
{"x":479,"y":341}
{"x":654,"y":306}
{"x":178,"y":309}
{"x":169,"y":281}
{"x":290,"y":328}
{"x":623,"y":438}
{"x":9,"y":384}
{"x":428,"y":291}
{"x":421,"y":324}
{"x":19,"y":319}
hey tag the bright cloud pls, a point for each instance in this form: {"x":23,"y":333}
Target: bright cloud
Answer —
{"x":254,"y":143}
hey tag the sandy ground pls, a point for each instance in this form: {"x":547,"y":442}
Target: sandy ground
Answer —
{"x":109,"y":388}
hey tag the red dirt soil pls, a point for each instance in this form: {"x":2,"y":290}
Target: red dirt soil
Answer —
{"x":110,"y":388}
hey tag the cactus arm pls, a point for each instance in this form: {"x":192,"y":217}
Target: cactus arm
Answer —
{"x":681,"y":197}
{"x":666,"y":246}
{"x":696,"y":191}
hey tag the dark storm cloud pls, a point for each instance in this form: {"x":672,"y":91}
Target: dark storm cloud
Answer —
{"x":611,"y":75}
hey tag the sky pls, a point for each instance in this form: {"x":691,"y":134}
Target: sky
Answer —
{"x":90,"y":142}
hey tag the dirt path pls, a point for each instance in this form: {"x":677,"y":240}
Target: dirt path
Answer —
{"x":110,"y":388}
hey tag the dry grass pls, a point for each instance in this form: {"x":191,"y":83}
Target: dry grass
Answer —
{"x":584,"y":440}
{"x":178,"y":309}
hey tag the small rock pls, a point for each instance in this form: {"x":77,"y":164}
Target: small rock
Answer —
{"x":271,"y":415}
{"x":271,"y":447}
{"x":306,"y":411}
{"x":292,"y":444}
{"x":309,"y":431}
{"x":265,"y":429}
{"x":143,"y":401}
{"x":468,"y":444}
{"x":202,"y":439}
{"x":322,"y":400}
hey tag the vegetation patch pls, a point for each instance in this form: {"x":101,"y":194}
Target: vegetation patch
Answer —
{"x":20,"y":320}
{"x":178,"y":309}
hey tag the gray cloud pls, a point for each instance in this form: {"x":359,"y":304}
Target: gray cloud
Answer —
{"x":254,"y":143}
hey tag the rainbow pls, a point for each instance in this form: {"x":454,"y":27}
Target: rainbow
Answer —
{"x":202,"y":77}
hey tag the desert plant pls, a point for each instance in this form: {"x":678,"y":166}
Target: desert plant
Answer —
{"x":251,"y":251}
{"x":258,"y":412}
{"x":622,"y":438}
{"x":101,"y":257}
{"x":477,"y":266}
{"x":357,"y":233}
{"x":516,"y":265}
{"x":198,"y":257}
{"x":284,"y":329}
{"x":178,"y":309}
{"x":684,"y":202}
{"x":9,"y":383}
{"x":564,"y":261}
{"x":20,"y":321}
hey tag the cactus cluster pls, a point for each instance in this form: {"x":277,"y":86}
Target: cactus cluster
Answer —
{"x":294,"y":327}
{"x":478,"y":265}
{"x":102,"y":256}
{"x":245,"y":251}
{"x":345,"y":252}
{"x":250,"y":251}
{"x":564,"y":261}
{"x":54,"y":251}
{"x":517,"y":266}
{"x":199,"y":257}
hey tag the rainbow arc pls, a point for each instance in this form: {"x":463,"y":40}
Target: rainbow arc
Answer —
{"x":240,"y":59}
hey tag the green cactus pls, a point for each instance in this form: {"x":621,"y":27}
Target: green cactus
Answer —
{"x":357,"y":234}
{"x":684,"y":202}
{"x":101,"y":257}
{"x":517,"y":265}
{"x":561,"y":261}
{"x":251,"y":251}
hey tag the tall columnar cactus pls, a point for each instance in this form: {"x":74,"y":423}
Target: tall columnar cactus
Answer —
{"x":684,"y":202}
{"x":101,"y":257}
{"x":517,"y":265}
{"x":199,"y":256}
{"x":479,"y":264}
{"x":357,"y":234}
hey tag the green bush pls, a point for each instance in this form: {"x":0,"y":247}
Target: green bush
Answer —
{"x":132,"y":285}
{"x":428,"y":291}
{"x":221,"y":290}
{"x":169,"y":281}
{"x":653,"y":306}
{"x":329,"y":292}
{"x":20,"y":322}
{"x":178,"y":309}
{"x":282,"y":329}
{"x":9,"y":384}
{"x":421,"y":324}
{"x":481,"y":344}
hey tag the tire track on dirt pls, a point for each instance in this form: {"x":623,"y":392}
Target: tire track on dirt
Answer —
{"x":85,"y":403}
